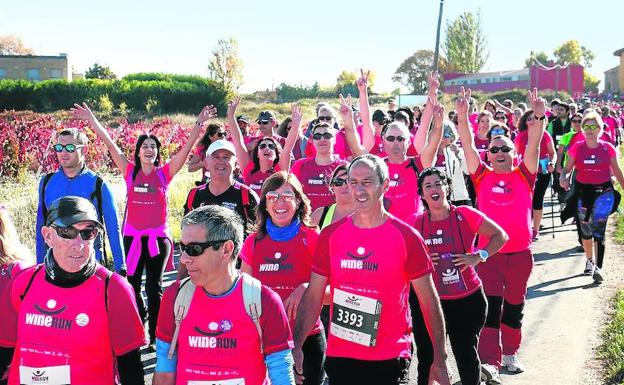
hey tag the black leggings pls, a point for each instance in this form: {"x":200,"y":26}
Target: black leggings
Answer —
{"x":464,"y":320}
{"x":595,"y":204}
{"x":541,"y":185}
{"x":154,"y":268}
{"x":314,"y":359}
{"x":349,"y":371}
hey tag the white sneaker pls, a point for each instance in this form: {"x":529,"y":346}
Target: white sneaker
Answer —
{"x":589,"y":267}
{"x":597,"y":275}
{"x":512,"y":364}
{"x":490,"y":375}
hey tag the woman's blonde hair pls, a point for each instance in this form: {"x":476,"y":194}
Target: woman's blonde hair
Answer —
{"x":11,"y":248}
{"x":593,"y":116}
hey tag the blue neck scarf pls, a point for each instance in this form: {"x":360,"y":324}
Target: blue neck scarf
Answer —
{"x":283,"y":234}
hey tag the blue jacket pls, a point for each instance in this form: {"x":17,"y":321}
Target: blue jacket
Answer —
{"x":83,"y":185}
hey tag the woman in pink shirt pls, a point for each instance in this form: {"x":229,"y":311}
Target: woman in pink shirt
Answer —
{"x":146,"y":235}
{"x":595,"y":162}
{"x":484,"y":124}
{"x":280,"y":254}
{"x":449,"y":233}
{"x":267,"y":156}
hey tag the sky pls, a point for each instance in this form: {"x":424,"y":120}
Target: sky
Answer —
{"x":300,"y":42}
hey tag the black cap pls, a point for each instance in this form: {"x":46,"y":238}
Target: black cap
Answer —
{"x":70,"y":210}
{"x":266,"y":115}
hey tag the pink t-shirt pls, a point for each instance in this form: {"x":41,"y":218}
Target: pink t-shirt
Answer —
{"x":369,"y":273}
{"x":7,"y":273}
{"x":315,"y":180}
{"x":256,"y":179}
{"x":218,"y":341}
{"x":593,"y":165}
{"x":611,"y":126}
{"x":56,"y":327}
{"x":378,"y":148}
{"x":402,"y":199}
{"x":481,"y":144}
{"x":521,"y":142}
{"x":507,"y":199}
{"x":282,"y":266}
{"x":147,"y":198}
{"x":454,"y":235}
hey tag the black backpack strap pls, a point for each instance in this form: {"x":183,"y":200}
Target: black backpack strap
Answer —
{"x":97,"y":195}
{"x":44,"y":209}
{"x":30,"y":281}
{"x":412,"y":165}
{"x":323,"y":215}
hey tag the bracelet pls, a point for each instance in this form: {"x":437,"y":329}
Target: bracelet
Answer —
{"x":540,"y":118}
{"x":197,"y":123}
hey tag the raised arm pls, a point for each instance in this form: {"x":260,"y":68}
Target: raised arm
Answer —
{"x":293,"y":135}
{"x":179,"y":159}
{"x":502,"y":107}
{"x":465,"y":135}
{"x":425,"y":121}
{"x":434,"y":138}
{"x":83,"y":112}
{"x":237,"y":138}
{"x":351,"y":134}
{"x":535,"y":131}
{"x":368,"y":132}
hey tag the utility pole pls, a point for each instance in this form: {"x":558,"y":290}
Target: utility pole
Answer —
{"x":437,"y":47}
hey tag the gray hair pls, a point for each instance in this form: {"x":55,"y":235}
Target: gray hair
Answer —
{"x":327,"y":108}
{"x":79,"y":136}
{"x":374,"y":162}
{"x":448,"y":126}
{"x":220,"y":223}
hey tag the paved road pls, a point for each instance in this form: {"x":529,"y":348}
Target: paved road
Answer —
{"x":564,"y":312}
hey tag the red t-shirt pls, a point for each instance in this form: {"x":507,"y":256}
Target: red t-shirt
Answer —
{"x":402,"y":199}
{"x":255,"y":179}
{"x":369,"y":273}
{"x":521,"y":142}
{"x":593,"y":165}
{"x":315,"y":180}
{"x":147,"y":197}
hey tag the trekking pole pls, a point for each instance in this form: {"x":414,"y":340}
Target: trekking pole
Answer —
{"x":552,"y":205}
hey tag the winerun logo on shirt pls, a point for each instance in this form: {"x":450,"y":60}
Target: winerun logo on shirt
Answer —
{"x":358,"y":262}
{"x":320,"y":180}
{"x":48,"y":317}
{"x":276,"y":263}
{"x":213,"y":337}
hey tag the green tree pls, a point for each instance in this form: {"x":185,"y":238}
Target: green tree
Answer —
{"x":541,"y":57}
{"x":590,"y":82}
{"x":413,"y":71}
{"x":345,"y":83}
{"x":465,"y":45}
{"x":13,"y":45}
{"x":226,"y":66}
{"x":97,"y":71}
{"x":571,"y":52}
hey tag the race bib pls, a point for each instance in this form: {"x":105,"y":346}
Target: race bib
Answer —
{"x":452,"y":282}
{"x":355,"y":318}
{"x":236,"y":381}
{"x":51,"y":375}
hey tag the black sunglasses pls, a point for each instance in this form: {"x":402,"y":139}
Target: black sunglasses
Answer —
{"x":68,"y":147}
{"x":495,"y":150}
{"x":221,"y":134}
{"x":576,"y":120}
{"x":72,"y":232}
{"x":392,"y":138}
{"x":500,"y":118}
{"x":263,"y":122}
{"x":262,"y":146}
{"x":197,"y":248}
{"x":325,"y":135}
{"x":338,"y":182}
{"x":325,"y":118}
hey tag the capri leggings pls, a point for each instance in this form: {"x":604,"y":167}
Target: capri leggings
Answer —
{"x":541,"y":185}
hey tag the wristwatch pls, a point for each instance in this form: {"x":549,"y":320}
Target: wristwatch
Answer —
{"x":483,"y":254}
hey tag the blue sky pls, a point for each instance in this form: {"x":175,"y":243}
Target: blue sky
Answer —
{"x":300,"y":42}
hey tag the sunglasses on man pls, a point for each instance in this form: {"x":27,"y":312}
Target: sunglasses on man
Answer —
{"x":67,"y":147}
{"x":325,"y":118}
{"x":72,"y":232}
{"x":495,"y":149}
{"x":398,"y":138}
{"x":197,"y":248}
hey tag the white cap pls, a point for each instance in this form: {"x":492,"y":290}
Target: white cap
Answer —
{"x":221,"y":144}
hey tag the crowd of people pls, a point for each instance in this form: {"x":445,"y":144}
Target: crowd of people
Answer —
{"x":329,"y":250}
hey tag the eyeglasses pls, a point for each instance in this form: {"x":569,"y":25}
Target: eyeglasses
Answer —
{"x":68,"y":147}
{"x":577,"y":120}
{"x":495,"y":150}
{"x":392,"y":138}
{"x":338,"y":182}
{"x":72,"y":232}
{"x":500,"y":118}
{"x":273,"y":196}
{"x":325,"y":135}
{"x":221,"y":134}
{"x":262,"y":146}
{"x":263,"y":122}
{"x":590,"y":127}
{"x":325,"y":118}
{"x":197,"y":248}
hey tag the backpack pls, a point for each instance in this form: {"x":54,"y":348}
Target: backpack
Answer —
{"x":96,"y":194}
{"x":245,"y":198}
{"x":252,"y":298}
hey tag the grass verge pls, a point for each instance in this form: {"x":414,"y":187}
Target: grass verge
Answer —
{"x":612,"y":349}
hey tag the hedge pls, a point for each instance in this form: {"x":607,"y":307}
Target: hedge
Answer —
{"x":165,"y":93}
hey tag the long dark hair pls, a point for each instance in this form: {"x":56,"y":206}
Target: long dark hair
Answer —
{"x":137,"y":148}
{"x":522,"y":123}
{"x":212,"y":129}
{"x":444,"y":178}
{"x":256,"y":159}
{"x":273,"y":183}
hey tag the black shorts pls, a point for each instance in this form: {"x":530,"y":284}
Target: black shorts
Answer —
{"x":349,"y":371}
